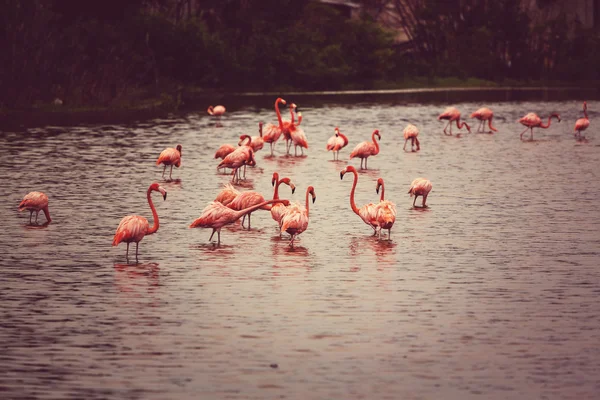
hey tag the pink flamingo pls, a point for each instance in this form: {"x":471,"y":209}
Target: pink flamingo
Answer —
{"x":277,"y":210}
{"x":287,"y":125}
{"x":337,"y":142}
{"x":484,"y":114}
{"x":532,"y":120}
{"x":365,"y":149}
{"x":170,"y":156}
{"x":420,"y":187}
{"x":298,"y":137}
{"x":582,"y":123}
{"x":224,"y":151}
{"x":133,"y":228}
{"x":216,"y":216}
{"x":272,"y":132}
{"x":258,"y":141}
{"x":250,"y":144}
{"x":35,"y":201}
{"x":243,"y":155}
{"x":385,"y":211}
{"x":410,"y":133}
{"x":248,"y":199}
{"x":452,"y":114}
{"x":227,"y":194}
{"x":217,"y":111}
{"x":295,"y":220}
{"x":368,"y":212}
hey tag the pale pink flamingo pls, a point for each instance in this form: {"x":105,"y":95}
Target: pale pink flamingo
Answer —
{"x":243,"y":155}
{"x":248,"y":199}
{"x":582,"y":123}
{"x":277,"y":210}
{"x":385,"y":211}
{"x":337,"y":142}
{"x":224,"y":151}
{"x":271,"y":133}
{"x":170,"y":156}
{"x":298,"y":137}
{"x":452,"y":114}
{"x":216,"y":215}
{"x":484,"y":114}
{"x":365,"y":149}
{"x":133,"y":228}
{"x":410,"y":133}
{"x":367,"y":212}
{"x":258,"y":141}
{"x":532,"y":120}
{"x":35,"y":201}
{"x":295,"y":220}
{"x":227,"y":194}
{"x":217,"y":111}
{"x":250,"y":144}
{"x":420,"y":187}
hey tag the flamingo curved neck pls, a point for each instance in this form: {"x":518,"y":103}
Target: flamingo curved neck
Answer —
{"x":352,"y":203}
{"x":307,"y":202}
{"x":246,"y":137}
{"x":548,"y":124}
{"x":460,"y":124}
{"x":343,"y":138}
{"x":382,"y":191}
{"x":154,"y":227}
{"x":490,"y":124}
{"x":276,"y":192}
{"x":241,"y":213}
{"x":47,"y":214}
{"x":585,"y":111}
{"x":278,"y":114}
{"x":376,"y":145}
{"x":292,"y":115}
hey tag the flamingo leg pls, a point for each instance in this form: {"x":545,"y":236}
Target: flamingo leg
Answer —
{"x":405,"y":141}
{"x":219,"y":236}
{"x":424,"y":200}
{"x":271,"y":148}
{"x":127,"y":252}
{"x":164,"y":169}
{"x":522,"y":133}
{"x":366,"y":160}
{"x":243,"y":219}
{"x":170,"y":173}
{"x":36,"y":215}
{"x":390,"y":234}
{"x":137,"y":244}
{"x":531,"y":136}
{"x":415,"y":200}
{"x":418,"y":144}
{"x":212,"y":234}
{"x":249,"y":220}
{"x":30,"y":215}
{"x":244,"y":171}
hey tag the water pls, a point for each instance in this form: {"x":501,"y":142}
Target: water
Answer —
{"x":491,"y":292}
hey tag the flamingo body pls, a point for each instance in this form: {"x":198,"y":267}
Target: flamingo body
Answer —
{"x":420,"y":187}
{"x":35,"y":201}
{"x":278,"y":209}
{"x":410,"y":133}
{"x":484,"y":114}
{"x":170,"y":157}
{"x":257,"y":142}
{"x":243,"y":155}
{"x":451,"y":114}
{"x":337,"y":142}
{"x":385,"y":211}
{"x":366,"y":149}
{"x":224,"y":150}
{"x":582,"y":123}
{"x":217,"y":111}
{"x":271,"y":132}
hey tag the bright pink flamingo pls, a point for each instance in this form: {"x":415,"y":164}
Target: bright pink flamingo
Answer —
{"x":366,"y":149}
{"x":452,"y":114}
{"x":243,"y":155}
{"x":277,"y":210}
{"x":295,"y":220}
{"x":170,"y":156}
{"x":532,"y":120}
{"x":217,"y":111}
{"x":337,"y":142}
{"x":410,"y":133}
{"x":582,"y":123}
{"x":35,"y":201}
{"x":420,"y":187}
{"x":133,"y":228}
{"x":367,"y":212}
{"x":385,"y":211}
{"x":227,"y":194}
{"x":248,"y":199}
{"x":484,"y":114}
{"x":271,"y":133}
{"x":216,"y":216}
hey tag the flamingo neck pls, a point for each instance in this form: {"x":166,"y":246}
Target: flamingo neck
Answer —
{"x":248,"y":138}
{"x":382,"y":191}
{"x":278,"y":114}
{"x":376,"y":145}
{"x":299,"y":119}
{"x":352,"y":203}
{"x":585,"y":111}
{"x":490,"y":125}
{"x":344,"y":138}
{"x":276,"y":192}
{"x":548,"y":124}
{"x":292,"y":115}
{"x":307,"y":202}
{"x":241,"y":213}
{"x":47,"y":213}
{"x":154,"y":227}
{"x":260,"y":130}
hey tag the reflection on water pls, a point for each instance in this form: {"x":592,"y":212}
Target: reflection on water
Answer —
{"x":489,"y":292}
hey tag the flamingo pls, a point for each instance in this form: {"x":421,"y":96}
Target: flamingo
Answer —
{"x":385,"y":213}
{"x":277,"y":210}
{"x":257,"y":142}
{"x":365,"y":149}
{"x":286,"y":128}
{"x":216,"y":215}
{"x":410,"y":133}
{"x":170,"y":156}
{"x":227,"y":194}
{"x":224,"y":151}
{"x":582,"y":123}
{"x":452,"y":114}
{"x":133,"y":228}
{"x":484,"y":114}
{"x":248,"y":199}
{"x":35,"y":201}
{"x":532,"y":120}
{"x":298,"y":137}
{"x":420,"y":187}
{"x":243,"y":155}
{"x":337,"y":142}
{"x":250,"y":144}
{"x":217,"y":111}
{"x":272,"y":132}
{"x":295,"y":220}
{"x":368,"y":212}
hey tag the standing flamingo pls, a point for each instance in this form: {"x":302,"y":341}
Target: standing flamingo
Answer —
{"x":258,"y":141}
{"x":248,"y":199}
{"x":216,"y":215}
{"x":35,"y":201}
{"x":337,"y":142}
{"x":582,"y":123}
{"x":224,"y":151}
{"x":385,"y":211}
{"x":272,"y":132}
{"x":227,"y":194}
{"x":532,"y":120}
{"x":484,"y":114}
{"x":298,"y":137}
{"x":295,"y":220}
{"x":277,"y":210}
{"x":452,"y":114}
{"x":133,"y":228}
{"x":217,"y":111}
{"x":243,"y":155}
{"x":420,"y":187}
{"x":410,"y":133}
{"x":170,"y":156}
{"x":365,"y":149}
{"x":286,"y":129}
{"x":367,"y":212}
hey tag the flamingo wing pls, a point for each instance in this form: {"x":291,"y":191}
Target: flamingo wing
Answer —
{"x":224,"y":150}
{"x":450,"y":113}
{"x":364,"y":149}
{"x":331,"y":143}
{"x":368,"y":213}
{"x":410,"y":131}
{"x":530,"y":120}
{"x":298,"y":136}
{"x":132,"y":228}
{"x":271,"y":133}
{"x":169,"y":156}
{"x":257,"y":143}
{"x":385,"y":214}
{"x":582,"y":124}
{"x":227,"y":194}
{"x":294,"y":222}
{"x":33,"y":200}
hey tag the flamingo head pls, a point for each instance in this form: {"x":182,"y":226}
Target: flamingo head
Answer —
{"x":245,"y":137}
{"x":293,"y":106}
{"x":288,"y":182}
{"x":555,"y":115}
{"x":274,"y":179}
{"x":210,"y":110}
{"x":311,"y":190}
{"x":379,"y":184}
{"x":179,"y":148}
{"x":348,"y":168}
{"x":280,"y":100}
{"x":157,"y":188}
{"x":376,"y":132}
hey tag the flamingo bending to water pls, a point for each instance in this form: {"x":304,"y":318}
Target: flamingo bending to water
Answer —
{"x":337,"y":142}
{"x":243,"y":155}
{"x":532,"y":120}
{"x":277,"y":210}
{"x":295,"y":220}
{"x":170,"y":156}
{"x":272,"y":132}
{"x":420,"y":187}
{"x":366,"y":149}
{"x":484,"y":114}
{"x":385,"y":211}
{"x":582,"y":123}
{"x":216,"y":216}
{"x":35,"y":201}
{"x":452,"y":114}
{"x":133,"y":228}
{"x":227,"y":194}
{"x":410,"y":133}
{"x":368,"y":212}
{"x":217,"y":111}
{"x":224,"y":151}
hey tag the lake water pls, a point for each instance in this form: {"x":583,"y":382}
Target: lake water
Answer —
{"x":490,"y":293}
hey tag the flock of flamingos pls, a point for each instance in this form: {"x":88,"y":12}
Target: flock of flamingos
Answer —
{"x":292,"y":218}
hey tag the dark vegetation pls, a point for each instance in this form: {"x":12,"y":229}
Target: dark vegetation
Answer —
{"x":132,"y":53}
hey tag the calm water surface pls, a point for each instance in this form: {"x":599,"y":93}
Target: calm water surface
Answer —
{"x":490,"y":293}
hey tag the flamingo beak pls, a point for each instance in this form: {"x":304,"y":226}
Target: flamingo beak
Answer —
{"x":293,"y":188}
{"x":272,"y":182}
{"x":314,"y":198}
{"x":163,"y":192}
{"x":377,"y":189}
